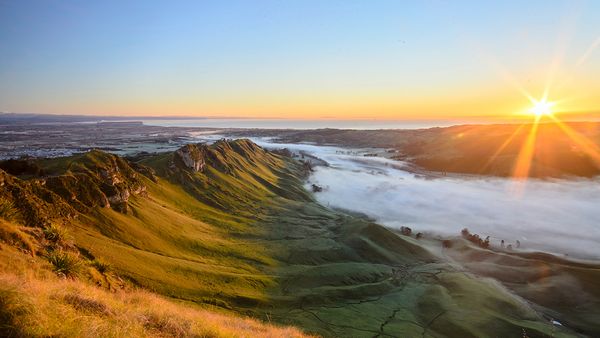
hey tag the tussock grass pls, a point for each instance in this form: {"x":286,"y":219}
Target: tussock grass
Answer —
{"x":55,"y":233}
{"x":13,"y":235}
{"x":70,"y":308}
{"x":101,"y":265}
{"x":11,"y":309}
{"x":65,"y":263}
{"x":57,"y":237}
{"x":8,"y":211}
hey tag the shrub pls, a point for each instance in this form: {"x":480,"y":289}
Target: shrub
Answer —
{"x":65,"y":263}
{"x":56,"y":234}
{"x":8,"y":211}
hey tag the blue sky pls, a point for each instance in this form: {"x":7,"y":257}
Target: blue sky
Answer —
{"x":290,"y":58}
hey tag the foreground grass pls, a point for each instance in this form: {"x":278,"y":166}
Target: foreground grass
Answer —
{"x":35,"y":303}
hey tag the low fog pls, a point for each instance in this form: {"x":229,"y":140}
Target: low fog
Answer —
{"x":559,"y":216}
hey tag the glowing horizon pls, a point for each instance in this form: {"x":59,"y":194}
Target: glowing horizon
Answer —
{"x":300,"y":60}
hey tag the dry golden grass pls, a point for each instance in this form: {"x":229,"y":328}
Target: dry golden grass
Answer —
{"x":34,"y":304}
{"x":13,"y":235}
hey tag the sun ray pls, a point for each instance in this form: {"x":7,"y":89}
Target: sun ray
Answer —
{"x":523,"y":164}
{"x":525,"y":157}
{"x":588,"y":147}
{"x":580,"y":62}
{"x":565,"y":33}
{"x":502,"y":72}
{"x":588,"y":52}
{"x":502,"y":147}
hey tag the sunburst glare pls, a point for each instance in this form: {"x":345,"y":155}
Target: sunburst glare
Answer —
{"x":542,"y":108}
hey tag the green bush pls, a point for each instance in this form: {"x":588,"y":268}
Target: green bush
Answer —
{"x":65,"y":263}
{"x":55,"y":233}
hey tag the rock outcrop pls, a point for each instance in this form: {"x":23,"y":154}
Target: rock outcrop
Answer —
{"x":192,"y":156}
{"x":224,"y":156}
{"x":108,"y":181}
{"x":33,"y":203}
{"x":81,"y":183}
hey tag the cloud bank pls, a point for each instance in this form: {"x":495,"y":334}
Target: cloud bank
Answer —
{"x":560,"y":216}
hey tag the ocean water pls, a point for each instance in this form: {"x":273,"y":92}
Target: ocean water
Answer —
{"x":303,"y":123}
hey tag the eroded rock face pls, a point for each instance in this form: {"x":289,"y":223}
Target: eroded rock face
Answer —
{"x":97,"y":179}
{"x":120,"y":196}
{"x":192,"y":156}
{"x":32,"y":202}
{"x":111,"y":175}
{"x":79,"y":190}
{"x":144,"y":170}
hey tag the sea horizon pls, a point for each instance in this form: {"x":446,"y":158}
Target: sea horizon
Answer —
{"x":240,"y":122}
{"x":271,"y":123}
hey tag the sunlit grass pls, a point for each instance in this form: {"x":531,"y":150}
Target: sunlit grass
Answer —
{"x":31,"y":306}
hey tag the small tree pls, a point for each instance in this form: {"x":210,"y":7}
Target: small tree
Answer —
{"x":465,"y":233}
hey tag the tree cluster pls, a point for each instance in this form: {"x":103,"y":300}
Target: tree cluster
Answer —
{"x":474,"y":238}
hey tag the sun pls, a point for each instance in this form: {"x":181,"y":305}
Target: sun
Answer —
{"x":541,"y":108}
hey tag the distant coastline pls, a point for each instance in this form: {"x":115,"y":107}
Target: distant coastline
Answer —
{"x":261,"y":123}
{"x":236,"y":122}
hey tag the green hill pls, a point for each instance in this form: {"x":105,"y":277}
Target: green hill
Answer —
{"x":230,"y":228}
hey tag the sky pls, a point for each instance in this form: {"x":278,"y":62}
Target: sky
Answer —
{"x":299,"y":59}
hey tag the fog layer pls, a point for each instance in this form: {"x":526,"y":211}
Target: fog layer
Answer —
{"x":560,"y":216}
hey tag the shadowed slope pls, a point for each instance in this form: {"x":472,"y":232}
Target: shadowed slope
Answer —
{"x":564,"y":290}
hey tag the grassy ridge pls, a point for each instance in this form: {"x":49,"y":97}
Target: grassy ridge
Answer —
{"x":242,"y":235}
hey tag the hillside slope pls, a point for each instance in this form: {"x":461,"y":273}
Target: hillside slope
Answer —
{"x":570,"y":149}
{"x":230,"y":227}
{"x":34,"y":302}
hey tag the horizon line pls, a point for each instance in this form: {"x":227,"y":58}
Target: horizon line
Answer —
{"x":578,"y":115}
